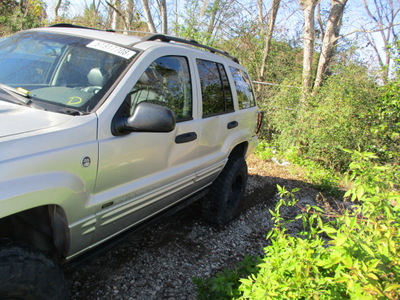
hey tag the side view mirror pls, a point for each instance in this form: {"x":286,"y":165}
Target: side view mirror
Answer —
{"x":147,"y":117}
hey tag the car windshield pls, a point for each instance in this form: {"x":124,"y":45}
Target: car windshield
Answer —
{"x":64,"y":71}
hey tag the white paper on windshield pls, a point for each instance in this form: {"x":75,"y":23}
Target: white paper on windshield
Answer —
{"x":113,"y":49}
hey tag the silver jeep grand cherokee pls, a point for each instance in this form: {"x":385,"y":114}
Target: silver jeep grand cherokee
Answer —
{"x":101,"y":132}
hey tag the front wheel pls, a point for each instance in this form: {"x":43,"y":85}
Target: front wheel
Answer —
{"x":28,"y":274}
{"x":224,"y":200}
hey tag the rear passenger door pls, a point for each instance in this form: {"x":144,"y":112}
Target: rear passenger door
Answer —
{"x":218,"y":119}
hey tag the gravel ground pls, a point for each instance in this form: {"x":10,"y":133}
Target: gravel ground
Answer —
{"x":161,"y":260}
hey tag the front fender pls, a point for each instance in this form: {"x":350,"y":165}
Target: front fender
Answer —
{"x":65,"y":190}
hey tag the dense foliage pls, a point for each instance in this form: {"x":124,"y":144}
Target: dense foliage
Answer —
{"x":352,"y":255}
{"x":349,"y":111}
{"x":19,"y":15}
{"x":385,"y":123}
{"x":349,"y":256}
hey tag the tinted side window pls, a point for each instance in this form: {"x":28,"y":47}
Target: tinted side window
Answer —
{"x":215,"y":88}
{"x":166,"y":82}
{"x":243,"y":88}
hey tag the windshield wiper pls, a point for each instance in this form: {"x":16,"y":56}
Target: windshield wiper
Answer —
{"x":71,"y":111}
{"x":54,"y":107}
{"x":18,"y":96}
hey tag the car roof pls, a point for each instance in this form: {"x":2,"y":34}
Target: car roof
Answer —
{"x":122,"y":39}
{"x":129,"y":40}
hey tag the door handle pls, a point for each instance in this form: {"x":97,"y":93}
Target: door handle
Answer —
{"x":186,"y":137}
{"x":233,"y":124}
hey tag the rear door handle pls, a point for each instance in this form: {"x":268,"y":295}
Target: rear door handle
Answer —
{"x":233,"y":124}
{"x":186,"y":137}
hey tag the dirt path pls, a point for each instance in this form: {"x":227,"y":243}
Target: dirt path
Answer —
{"x":160,"y":262}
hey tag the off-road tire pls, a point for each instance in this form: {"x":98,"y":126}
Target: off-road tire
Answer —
{"x":28,"y":274}
{"x":224,"y":200}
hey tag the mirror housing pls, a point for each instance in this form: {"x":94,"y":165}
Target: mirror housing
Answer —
{"x":147,"y":117}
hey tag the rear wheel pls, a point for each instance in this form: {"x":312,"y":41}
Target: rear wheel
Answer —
{"x":28,"y":274}
{"x":224,"y":200}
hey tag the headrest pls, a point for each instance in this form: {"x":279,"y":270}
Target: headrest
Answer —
{"x":96,"y":77}
{"x":144,"y":79}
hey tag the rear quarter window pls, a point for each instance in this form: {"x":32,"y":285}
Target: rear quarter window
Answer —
{"x":243,"y":88}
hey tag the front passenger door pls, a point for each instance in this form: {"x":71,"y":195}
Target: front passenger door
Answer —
{"x":146,"y":172}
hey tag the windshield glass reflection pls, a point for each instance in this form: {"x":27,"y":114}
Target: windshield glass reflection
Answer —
{"x":59,"y":69}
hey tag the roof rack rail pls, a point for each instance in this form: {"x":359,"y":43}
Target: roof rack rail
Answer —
{"x":131,"y":31}
{"x":167,"y":38}
{"x":68,"y":25}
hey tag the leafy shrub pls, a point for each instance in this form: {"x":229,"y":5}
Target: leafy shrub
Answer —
{"x":19,"y":15}
{"x":322,"y":178}
{"x":339,"y":116}
{"x":353,"y":255}
{"x":360,"y":260}
{"x":385,"y":123}
{"x":265,"y":151}
{"x":225,"y":285}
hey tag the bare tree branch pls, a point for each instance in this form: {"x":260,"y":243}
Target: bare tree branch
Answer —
{"x":319,"y":20}
{"x":366,"y":31}
{"x":119,"y":13}
{"x":268,"y":37}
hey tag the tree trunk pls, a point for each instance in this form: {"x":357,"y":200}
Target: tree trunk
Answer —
{"x":308,"y":7}
{"x":164,"y":17}
{"x":56,"y":8}
{"x":268,"y":37}
{"x":330,"y":38}
{"x":115,"y":20}
{"x":216,"y":6}
{"x":149,"y":18}
{"x":130,"y":8}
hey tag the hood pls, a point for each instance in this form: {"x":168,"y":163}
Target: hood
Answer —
{"x":17,"y":119}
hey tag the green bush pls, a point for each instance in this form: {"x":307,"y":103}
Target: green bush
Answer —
{"x":19,"y":15}
{"x":385,"y":123}
{"x":352,"y":255}
{"x":225,"y":285}
{"x":265,"y":151}
{"x":350,"y":111}
{"x":349,"y":256}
